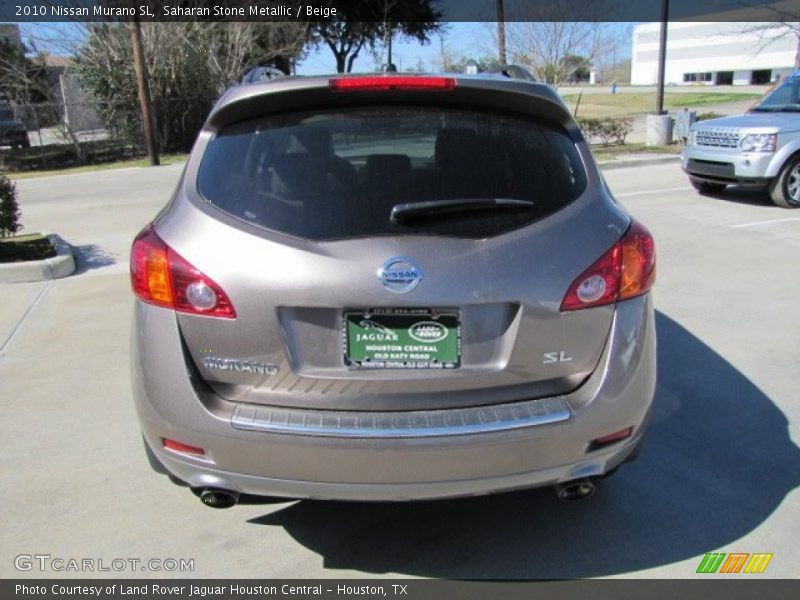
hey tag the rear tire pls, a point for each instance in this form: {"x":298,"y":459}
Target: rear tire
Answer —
{"x":706,"y":187}
{"x":785,"y":188}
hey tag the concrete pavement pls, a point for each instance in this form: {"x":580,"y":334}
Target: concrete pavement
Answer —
{"x":720,"y":469}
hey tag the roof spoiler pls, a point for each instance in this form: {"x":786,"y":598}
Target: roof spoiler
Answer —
{"x":512,"y":72}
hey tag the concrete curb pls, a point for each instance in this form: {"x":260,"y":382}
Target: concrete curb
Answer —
{"x":61,"y":265}
{"x":623,"y":163}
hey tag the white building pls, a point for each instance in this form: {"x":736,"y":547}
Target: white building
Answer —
{"x":713,"y":53}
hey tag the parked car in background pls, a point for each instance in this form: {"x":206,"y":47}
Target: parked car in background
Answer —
{"x":760,"y":149}
{"x":12,"y":132}
{"x":392,"y":287}
{"x":261,"y":73}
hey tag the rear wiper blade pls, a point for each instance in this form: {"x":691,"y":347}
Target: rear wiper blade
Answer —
{"x":404,"y":212}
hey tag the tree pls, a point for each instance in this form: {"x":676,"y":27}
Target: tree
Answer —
{"x":576,"y":67}
{"x":555,"y":31}
{"x":769,"y":33}
{"x":452,"y":62}
{"x":784,"y":19}
{"x":9,"y":209}
{"x":365,"y":24}
{"x":24,"y":81}
{"x":190,"y":65}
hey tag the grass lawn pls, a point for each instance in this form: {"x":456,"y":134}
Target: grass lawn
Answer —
{"x":619,"y":151}
{"x":166,"y":159}
{"x":623,"y":105}
{"x":18,"y":248}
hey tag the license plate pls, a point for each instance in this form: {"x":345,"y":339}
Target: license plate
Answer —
{"x":401,"y":339}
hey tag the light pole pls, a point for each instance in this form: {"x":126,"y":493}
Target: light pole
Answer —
{"x":662,"y":57}
{"x":389,"y":66}
{"x":659,"y":124}
{"x":501,"y":33}
{"x":143,"y":87}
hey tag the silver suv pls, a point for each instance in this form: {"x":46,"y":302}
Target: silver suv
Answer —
{"x":391,"y":287}
{"x":760,"y":149}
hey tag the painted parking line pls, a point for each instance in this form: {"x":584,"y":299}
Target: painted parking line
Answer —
{"x":661,"y":191}
{"x":23,"y":318}
{"x":767,"y":222}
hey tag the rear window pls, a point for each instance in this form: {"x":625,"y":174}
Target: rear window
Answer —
{"x":337,"y":174}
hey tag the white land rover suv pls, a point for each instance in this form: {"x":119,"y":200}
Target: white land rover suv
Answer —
{"x":758,"y":149}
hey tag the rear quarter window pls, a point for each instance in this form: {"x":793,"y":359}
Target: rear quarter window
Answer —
{"x":337,"y":174}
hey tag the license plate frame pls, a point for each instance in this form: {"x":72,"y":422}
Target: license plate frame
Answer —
{"x":401,"y":338}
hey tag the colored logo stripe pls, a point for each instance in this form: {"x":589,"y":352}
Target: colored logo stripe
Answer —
{"x":711,"y":562}
{"x":758,"y":562}
{"x":734,"y":562}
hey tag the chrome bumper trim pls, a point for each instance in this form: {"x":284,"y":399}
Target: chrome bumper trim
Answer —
{"x":410,"y":424}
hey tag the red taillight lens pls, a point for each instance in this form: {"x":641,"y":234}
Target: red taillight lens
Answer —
{"x":161,"y":276}
{"x":626,"y":270}
{"x":611,"y":438}
{"x":183,"y":448}
{"x":384,"y":83}
{"x":614,"y":437}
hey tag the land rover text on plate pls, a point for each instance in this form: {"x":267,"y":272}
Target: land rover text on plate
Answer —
{"x":391,"y":287}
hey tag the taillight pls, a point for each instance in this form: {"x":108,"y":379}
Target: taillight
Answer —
{"x":176,"y":446}
{"x":384,"y":83}
{"x":626,"y":270}
{"x":161,"y":276}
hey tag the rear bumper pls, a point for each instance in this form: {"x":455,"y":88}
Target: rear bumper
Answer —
{"x":499,"y":451}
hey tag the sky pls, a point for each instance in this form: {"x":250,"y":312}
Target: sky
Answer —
{"x":468,"y":40}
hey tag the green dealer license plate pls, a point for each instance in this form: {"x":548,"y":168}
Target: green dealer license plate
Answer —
{"x":401,"y":339}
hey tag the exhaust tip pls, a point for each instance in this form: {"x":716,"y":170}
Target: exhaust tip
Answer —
{"x":578,"y":489}
{"x":218,"y":498}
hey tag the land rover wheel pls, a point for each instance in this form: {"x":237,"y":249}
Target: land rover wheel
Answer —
{"x":785,"y":188}
{"x":706,"y":187}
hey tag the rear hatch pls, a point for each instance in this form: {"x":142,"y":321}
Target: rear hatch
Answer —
{"x":393,"y":250}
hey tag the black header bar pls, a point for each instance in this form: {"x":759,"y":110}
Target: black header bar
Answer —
{"x":44,"y":11}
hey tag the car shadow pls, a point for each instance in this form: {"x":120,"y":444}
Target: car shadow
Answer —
{"x":717,"y":462}
{"x":90,"y":257}
{"x":738,"y":195}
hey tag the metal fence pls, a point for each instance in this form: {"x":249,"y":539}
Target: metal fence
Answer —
{"x":49,"y":124}
{"x":59,"y":135}
{"x":62,"y":134}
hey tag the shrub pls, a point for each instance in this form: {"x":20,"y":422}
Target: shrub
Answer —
{"x":607,"y":130}
{"x":9,"y":209}
{"x":708,"y":115}
{"x":59,"y":156}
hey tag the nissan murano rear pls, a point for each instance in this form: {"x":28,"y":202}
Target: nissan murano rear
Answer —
{"x":391,"y":287}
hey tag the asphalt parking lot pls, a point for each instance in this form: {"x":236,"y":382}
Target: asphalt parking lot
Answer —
{"x":720,"y":469}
